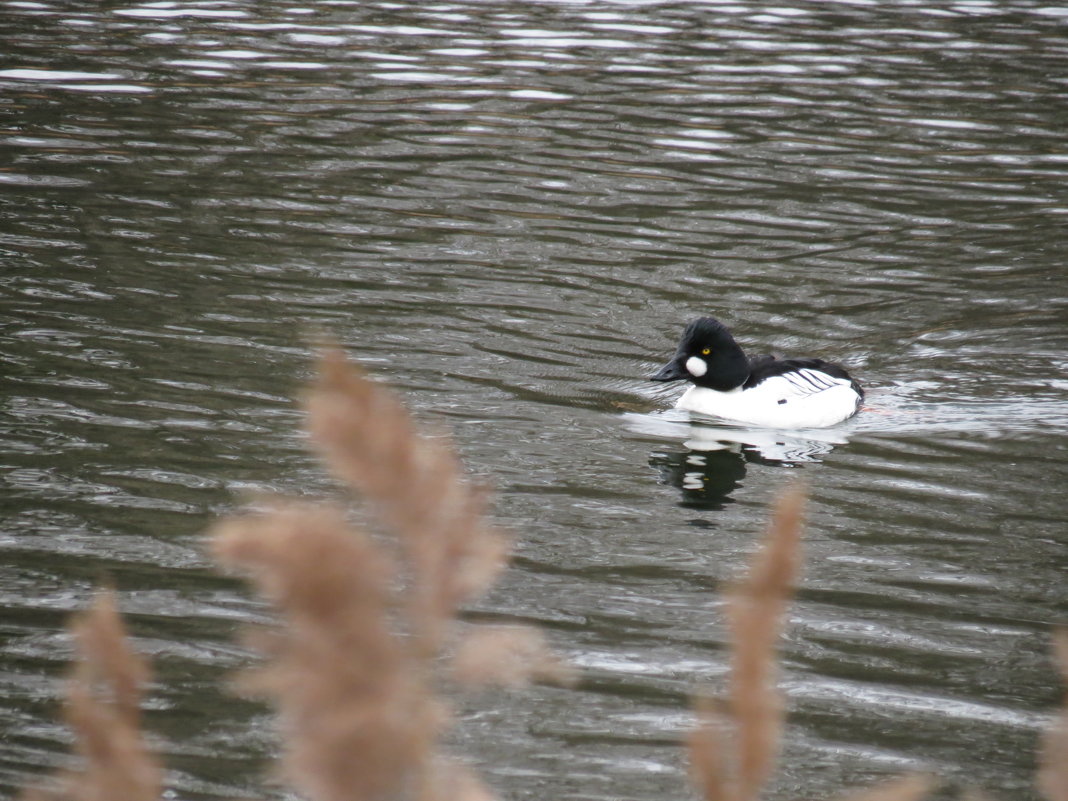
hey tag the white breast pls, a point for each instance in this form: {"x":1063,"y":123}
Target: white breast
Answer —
{"x":799,"y":399}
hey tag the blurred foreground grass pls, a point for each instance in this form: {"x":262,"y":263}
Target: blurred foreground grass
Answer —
{"x":368,"y":633}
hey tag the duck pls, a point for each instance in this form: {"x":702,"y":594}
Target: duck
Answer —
{"x":761,"y":391}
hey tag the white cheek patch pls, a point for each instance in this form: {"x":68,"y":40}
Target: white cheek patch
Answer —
{"x":696,"y":366}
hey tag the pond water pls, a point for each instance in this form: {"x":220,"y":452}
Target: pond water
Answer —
{"x":509,"y":211}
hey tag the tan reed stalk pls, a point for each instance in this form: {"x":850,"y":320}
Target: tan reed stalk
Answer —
{"x":756,"y":608}
{"x":354,"y":663}
{"x":507,"y":656}
{"x":357,"y":719}
{"x":104,"y":709}
{"x":1053,"y":758}
{"x":418,"y":487}
{"x":353,"y":667}
{"x":709,"y":770}
{"x":733,"y":752}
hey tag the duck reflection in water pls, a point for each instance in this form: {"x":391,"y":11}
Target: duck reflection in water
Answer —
{"x":715,"y":458}
{"x":705,"y":479}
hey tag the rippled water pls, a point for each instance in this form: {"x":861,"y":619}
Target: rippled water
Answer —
{"x":509,"y":211}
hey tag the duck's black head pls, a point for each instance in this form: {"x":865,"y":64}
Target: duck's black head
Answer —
{"x":708,"y":356}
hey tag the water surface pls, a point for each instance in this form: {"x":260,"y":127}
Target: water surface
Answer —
{"x":509,"y":211}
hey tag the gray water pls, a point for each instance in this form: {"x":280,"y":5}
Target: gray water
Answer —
{"x":509,"y":211}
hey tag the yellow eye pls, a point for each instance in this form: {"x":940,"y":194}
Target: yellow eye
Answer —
{"x":706,"y":351}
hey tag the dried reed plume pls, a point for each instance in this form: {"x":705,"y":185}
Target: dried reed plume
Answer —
{"x":366,"y":621}
{"x":755,"y":610}
{"x":357,"y":717}
{"x":417,"y":485}
{"x":354,"y":666}
{"x":104,"y":710}
{"x":733,"y":751}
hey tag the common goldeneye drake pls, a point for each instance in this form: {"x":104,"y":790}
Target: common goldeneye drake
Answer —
{"x":761,"y":391}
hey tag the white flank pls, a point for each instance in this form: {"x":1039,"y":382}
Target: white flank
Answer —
{"x":801,"y":399}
